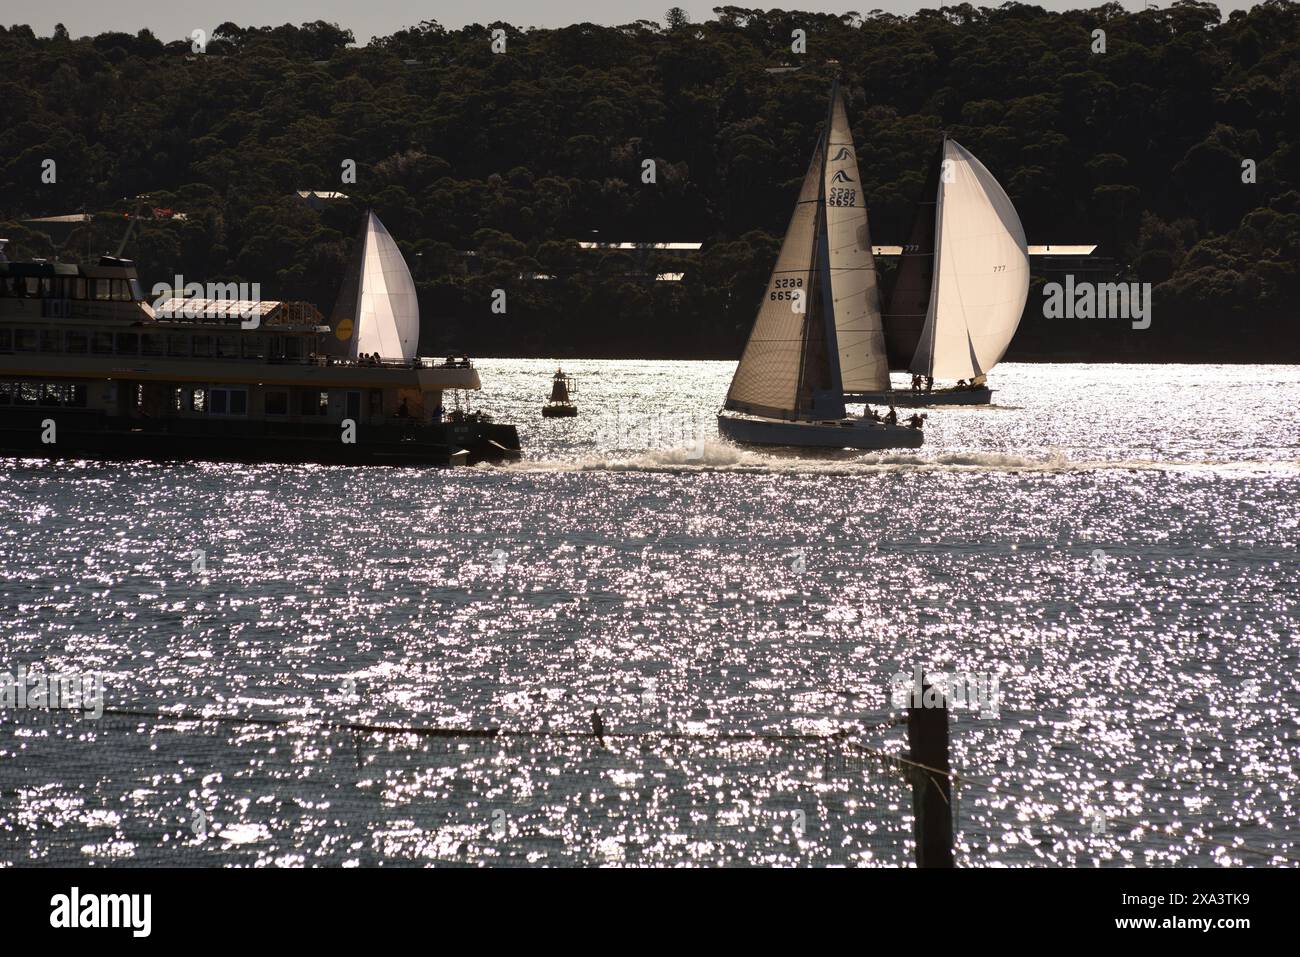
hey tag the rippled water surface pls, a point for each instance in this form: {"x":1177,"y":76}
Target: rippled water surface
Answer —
{"x":1117,"y":544}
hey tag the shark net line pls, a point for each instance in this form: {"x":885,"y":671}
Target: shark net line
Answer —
{"x":145,"y":788}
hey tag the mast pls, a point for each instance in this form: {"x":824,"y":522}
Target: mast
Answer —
{"x":342,"y":338}
{"x":823,"y":245}
{"x":909,"y":299}
{"x":923,"y":362}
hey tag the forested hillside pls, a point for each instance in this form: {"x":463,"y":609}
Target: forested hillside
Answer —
{"x":515,"y":156}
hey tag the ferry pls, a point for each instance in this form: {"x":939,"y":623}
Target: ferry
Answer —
{"x":90,"y":369}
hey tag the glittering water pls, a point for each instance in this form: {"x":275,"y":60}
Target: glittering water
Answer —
{"x":1116,"y":543}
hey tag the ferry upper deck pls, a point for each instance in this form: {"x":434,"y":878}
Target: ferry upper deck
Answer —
{"x":62,"y":320}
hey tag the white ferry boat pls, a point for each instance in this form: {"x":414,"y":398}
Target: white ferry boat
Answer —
{"x":90,"y":369}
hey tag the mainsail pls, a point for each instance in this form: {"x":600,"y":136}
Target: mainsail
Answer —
{"x":377,"y":310}
{"x":859,"y":331}
{"x":788,"y":370}
{"x":981,"y":272}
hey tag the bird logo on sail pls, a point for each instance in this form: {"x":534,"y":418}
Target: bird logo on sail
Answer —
{"x":842,"y":177}
{"x":843,"y":154}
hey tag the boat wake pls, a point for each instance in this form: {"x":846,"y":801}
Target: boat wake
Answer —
{"x":724,"y":457}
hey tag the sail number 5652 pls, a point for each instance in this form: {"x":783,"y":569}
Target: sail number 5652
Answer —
{"x":785,"y":288}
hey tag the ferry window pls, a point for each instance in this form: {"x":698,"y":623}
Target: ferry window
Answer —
{"x":139,"y":396}
{"x":24,"y":340}
{"x":79,"y":288}
{"x":5,"y":285}
{"x":128,"y":344}
{"x":75,"y":395}
{"x":151,"y":345}
{"x":26,"y":393}
{"x":50,"y":393}
{"x":31,"y":285}
{"x":202,"y":345}
{"x":277,"y":403}
{"x":178,"y":345}
{"x":6,"y":340}
{"x":178,"y":400}
{"x":323,"y":404}
{"x":354,"y":406}
{"x":103,"y":288}
{"x":5,"y":397}
{"x":76,"y":342}
{"x":227,"y":347}
{"x":376,"y":402}
{"x":47,"y":287}
{"x":101,"y":343}
{"x":254,"y":347}
{"x":121,"y":290}
{"x":292,"y":347}
{"x":198,"y":400}
{"x":308,"y":403}
{"x":228,"y":402}
{"x":137,"y":291}
{"x":50,"y":340}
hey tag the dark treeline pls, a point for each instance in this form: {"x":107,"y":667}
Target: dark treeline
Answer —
{"x":515,"y":156}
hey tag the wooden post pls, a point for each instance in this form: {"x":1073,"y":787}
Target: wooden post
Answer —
{"x":927,"y":736}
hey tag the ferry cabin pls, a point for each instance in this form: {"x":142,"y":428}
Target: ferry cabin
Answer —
{"x":80,"y":346}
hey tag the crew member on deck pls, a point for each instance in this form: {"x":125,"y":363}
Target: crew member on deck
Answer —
{"x":891,"y":417}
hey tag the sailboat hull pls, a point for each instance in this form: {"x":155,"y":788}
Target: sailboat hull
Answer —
{"x":915,"y":400}
{"x":834,"y":434}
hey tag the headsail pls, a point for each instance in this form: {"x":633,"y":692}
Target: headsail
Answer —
{"x":785,"y":370}
{"x":859,"y":331}
{"x":388,"y":311}
{"x":981,"y":274}
{"x":377,"y":309}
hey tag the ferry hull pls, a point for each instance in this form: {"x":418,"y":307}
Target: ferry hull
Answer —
{"x":90,"y":435}
{"x":842,"y":434}
{"x":913,"y":400}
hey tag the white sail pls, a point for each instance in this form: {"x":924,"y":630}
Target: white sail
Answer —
{"x":981,"y":275}
{"x":859,"y":331}
{"x":769,"y":379}
{"x":387,"y":311}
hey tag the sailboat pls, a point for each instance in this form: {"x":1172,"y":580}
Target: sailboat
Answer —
{"x":819,"y":329}
{"x":961,"y":287}
{"x":377,"y":312}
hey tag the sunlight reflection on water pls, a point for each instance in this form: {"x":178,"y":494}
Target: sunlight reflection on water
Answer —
{"x":1116,"y":543}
